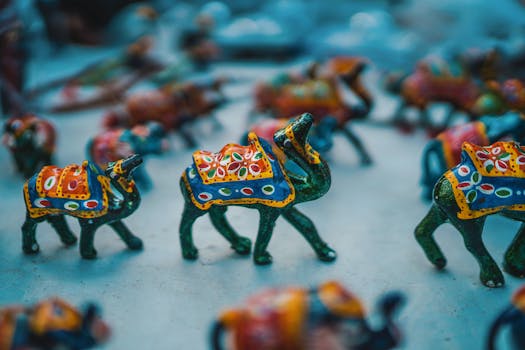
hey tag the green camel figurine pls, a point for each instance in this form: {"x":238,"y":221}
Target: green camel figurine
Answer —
{"x":254,"y":176}
{"x":488,"y":180}
{"x":83,"y":191}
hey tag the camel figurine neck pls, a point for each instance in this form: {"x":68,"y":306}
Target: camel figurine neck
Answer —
{"x":129,"y":192}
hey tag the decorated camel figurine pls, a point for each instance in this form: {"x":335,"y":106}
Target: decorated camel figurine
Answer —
{"x":488,"y":180}
{"x":52,"y":324}
{"x":85,"y":192}
{"x":253,"y":177}
{"x":444,"y":151}
{"x":327,"y":317}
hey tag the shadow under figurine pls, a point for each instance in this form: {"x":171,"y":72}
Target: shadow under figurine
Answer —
{"x":31,"y":141}
{"x":252,"y":176}
{"x":52,"y":324}
{"x":488,"y":180}
{"x":328,"y":317}
{"x":114,"y":144}
{"x":83,"y":191}
{"x":444,"y":151}
{"x":514,"y":317}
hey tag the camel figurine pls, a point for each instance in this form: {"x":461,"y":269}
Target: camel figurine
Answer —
{"x":52,"y":324}
{"x":512,"y":317}
{"x":253,"y":177}
{"x":488,"y":180}
{"x":85,"y":192}
{"x":444,"y":151}
{"x":319,"y":92}
{"x":326,"y":317}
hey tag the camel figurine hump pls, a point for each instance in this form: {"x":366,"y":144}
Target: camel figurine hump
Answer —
{"x":488,"y":180}
{"x":83,"y":191}
{"x":253,"y":176}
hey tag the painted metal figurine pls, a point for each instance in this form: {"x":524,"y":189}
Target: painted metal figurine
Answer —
{"x":31,"y":141}
{"x":83,"y":191}
{"x":51,"y":324}
{"x":114,"y":144}
{"x":328,"y":317}
{"x":252,"y":176}
{"x":319,"y":93}
{"x":488,"y":180}
{"x":514,"y":317}
{"x":443,"y":152}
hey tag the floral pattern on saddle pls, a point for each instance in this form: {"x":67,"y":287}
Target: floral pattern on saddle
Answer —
{"x":238,"y":175}
{"x":489,"y":179}
{"x":78,"y":190}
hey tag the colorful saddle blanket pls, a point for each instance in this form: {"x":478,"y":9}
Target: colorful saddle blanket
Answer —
{"x":453,"y":138}
{"x":238,"y":175}
{"x":489,"y":179}
{"x":77,"y":190}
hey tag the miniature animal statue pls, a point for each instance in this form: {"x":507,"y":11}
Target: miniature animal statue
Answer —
{"x":85,"y":192}
{"x":114,"y":144}
{"x":253,"y":177}
{"x":52,"y":324}
{"x":514,"y":317}
{"x":323,"y":318}
{"x":439,"y":81}
{"x":323,"y":98}
{"x":443,"y":152}
{"x":488,"y":180}
{"x":31,"y":141}
{"x":174,"y":107}
{"x":320,"y":136}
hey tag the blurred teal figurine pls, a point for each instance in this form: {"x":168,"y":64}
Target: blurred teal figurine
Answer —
{"x":514,"y":318}
{"x":328,"y":317}
{"x":52,"y":324}
{"x":488,"y":180}
{"x":83,"y":191}
{"x":253,"y":176}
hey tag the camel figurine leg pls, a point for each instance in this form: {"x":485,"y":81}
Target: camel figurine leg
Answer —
{"x":58,"y":222}
{"x":307,"y":229}
{"x":29,"y":243}
{"x":242,"y":245}
{"x":87,"y":235}
{"x":514,"y":262}
{"x":189,"y":215}
{"x":358,"y":144}
{"x":424,"y":234}
{"x":268,"y":216}
{"x":132,"y":241}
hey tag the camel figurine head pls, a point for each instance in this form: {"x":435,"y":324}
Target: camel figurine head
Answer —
{"x":254,"y":177}
{"x":488,"y":180}
{"x":85,"y":192}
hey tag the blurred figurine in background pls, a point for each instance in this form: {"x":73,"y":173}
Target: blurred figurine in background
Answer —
{"x":87,"y":193}
{"x":114,"y":144}
{"x":31,"y":141}
{"x":52,"y":324}
{"x":328,"y":317}
{"x":444,"y":151}
{"x":513,"y":317}
{"x":488,"y":180}
{"x":175,"y":106}
{"x":13,"y":56}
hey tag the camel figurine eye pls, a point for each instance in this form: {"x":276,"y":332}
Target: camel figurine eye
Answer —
{"x":287,"y":143}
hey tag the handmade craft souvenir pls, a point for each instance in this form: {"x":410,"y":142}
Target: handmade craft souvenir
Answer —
{"x":31,"y":141}
{"x":319,"y":93}
{"x":488,"y":180}
{"x":443,"y":152}
{"x":514,"y":317}
{"x":52,"y":324}
{"x":328,"y":317}
{"x":114,"y":144}
{"x":86,"y":192}
{"x":175,"y":107}
{"x":252,"y":176}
